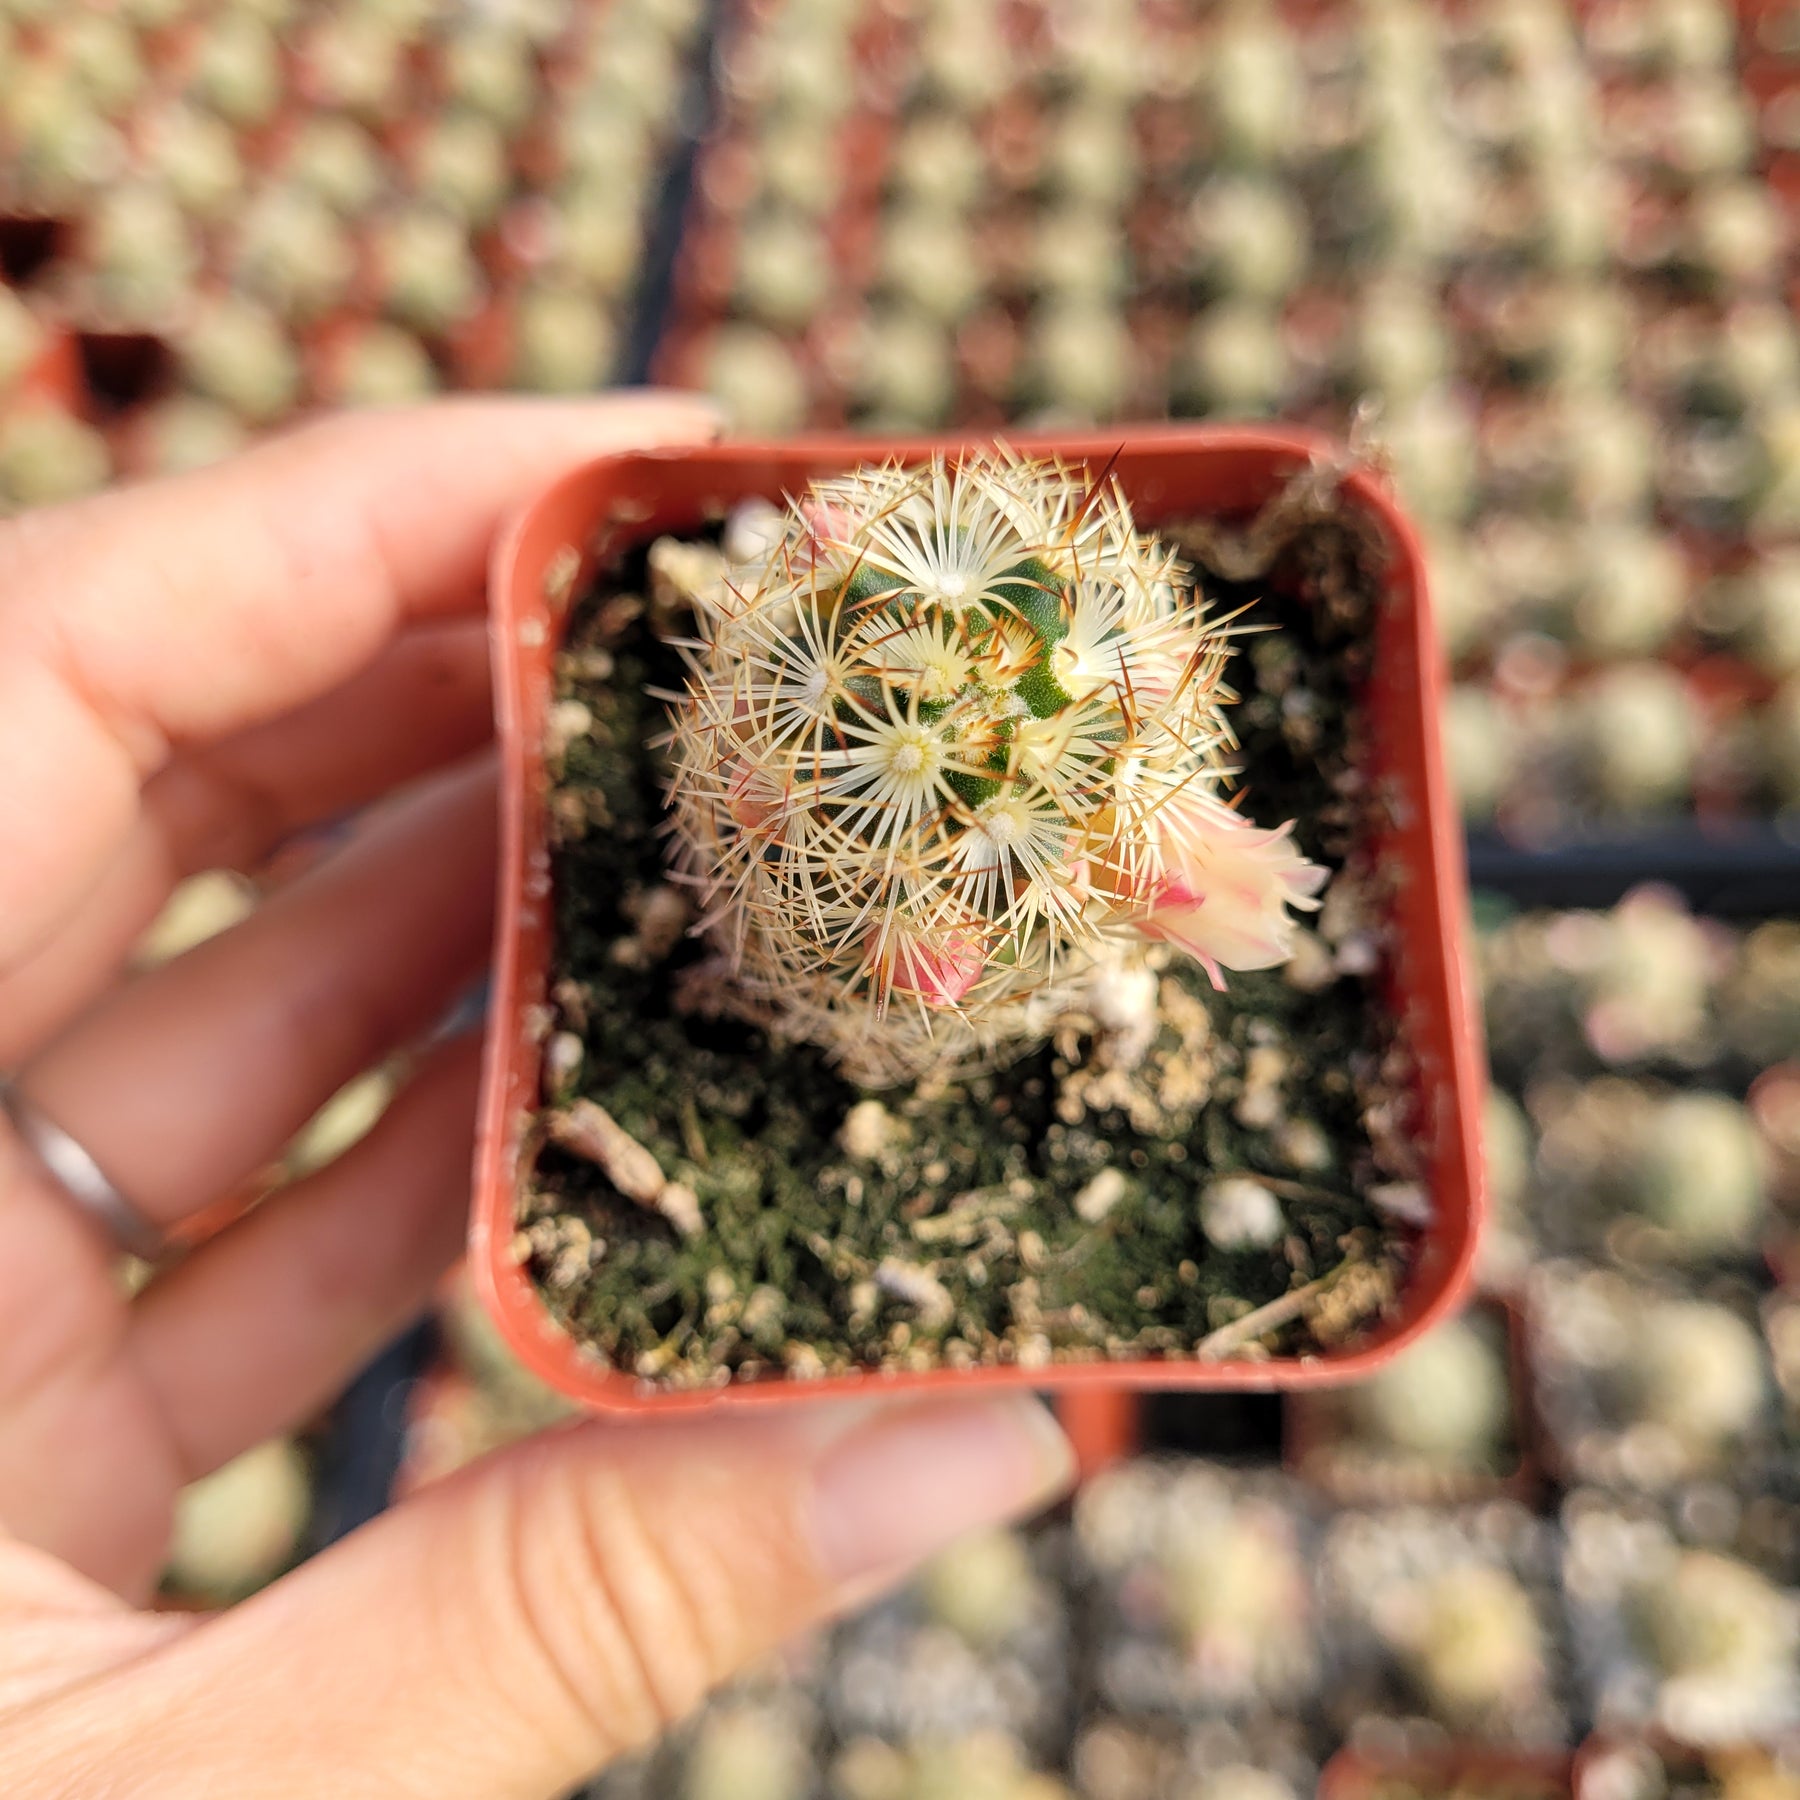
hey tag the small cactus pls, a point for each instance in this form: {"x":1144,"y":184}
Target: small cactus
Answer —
{"x":1235,"y":360}
{"x":904,"y":368}
{"x":1713,"y":1615}
{"x":187,"y":432}
{"x":382,"y":365}
{"x":983,"y":1588}
{"x":47,"y":454}
{"x":566,"y":340}
{"x":1700,"y":1374}
{"x":489,"y":69}
{"x":938,"y":163}
{"x":599,"y":237}
{"x":237,"y":70}
{"x":337,"y":161}
{"x":293,"y":254}
{"x":1699,"y":1173}
{"x":426,"y":273}
{"x":1444,"y":1399}
{"x":1637,"y":736}
{"x":929,"y":260}
{"x":356,"y":63}
{"x":1474,"y":1647}
{"x":101,"y":55}
{"x":193,"y":153}
{"x":239,"y":354}
{"x":957,"y":740}
{"x":1079,"y":360}
{"x":239,"y":1526}
{"x":797,"y":168}
{"x":142,"y":255}
{"x":462,"y":166}
{"x":784,"y":270}
{"x":756,"y":379}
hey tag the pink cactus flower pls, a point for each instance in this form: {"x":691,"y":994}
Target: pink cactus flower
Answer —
{"x":1227,"y":886}
{"x":940,"y":973}
{"x":753,"y":797}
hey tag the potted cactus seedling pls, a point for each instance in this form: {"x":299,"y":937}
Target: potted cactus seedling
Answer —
{"x":1438,"y":1424}
{"x":1445,"y":1617}
{"x":1689,"y":1641}
{"x":971,"y":914}
{"x":980,"y":1641}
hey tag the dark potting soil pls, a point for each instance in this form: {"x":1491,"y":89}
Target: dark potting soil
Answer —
{"x":959,"y":1223}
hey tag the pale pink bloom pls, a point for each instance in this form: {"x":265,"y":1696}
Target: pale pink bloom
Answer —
{"x":1227,"y":886}
{"x":752,"y":795}
{"x":939,"y":972}
{"x":830,"y":530}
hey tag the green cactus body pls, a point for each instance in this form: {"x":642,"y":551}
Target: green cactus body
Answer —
{"x":566,"y":340}
{"x":237,"y":353}
{"x":385,"y":365}
{"x":48,"y":454}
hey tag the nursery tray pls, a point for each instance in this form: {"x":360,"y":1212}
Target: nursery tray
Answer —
{"x":1750,"y":870}
{"x":594,"y":514}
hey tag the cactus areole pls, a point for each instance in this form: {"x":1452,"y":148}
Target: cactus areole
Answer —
{"x":954,"y":744}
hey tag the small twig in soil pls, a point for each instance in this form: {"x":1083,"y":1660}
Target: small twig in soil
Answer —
{"x":918,"y":1288}
{"x":692,"y":1137}
{"x":1301,"y":1190}
{"x":588,"y":1130}
{"x":1282,"y":1310}
{"x":965,"y":1220}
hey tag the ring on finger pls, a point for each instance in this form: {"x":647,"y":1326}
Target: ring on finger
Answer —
{"x":75,"y":1173}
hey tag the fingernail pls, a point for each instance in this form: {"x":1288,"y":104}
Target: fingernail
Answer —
{"x":905,"y":1481}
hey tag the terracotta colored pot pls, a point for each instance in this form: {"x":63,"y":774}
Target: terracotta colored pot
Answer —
{"x":1104,"y":1428}
{"x":1517,"y":1775}
{"x":595,"y":513}
{"x":1774,"y":1102}
{"x":54,"y":371}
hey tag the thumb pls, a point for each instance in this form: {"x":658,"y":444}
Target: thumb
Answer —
{"x":502,"y":1635}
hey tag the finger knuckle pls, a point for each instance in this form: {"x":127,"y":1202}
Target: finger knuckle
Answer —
{"x":622,"y":1611}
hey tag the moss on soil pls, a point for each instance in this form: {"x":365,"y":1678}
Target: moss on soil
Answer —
{"x":952,"y":1236}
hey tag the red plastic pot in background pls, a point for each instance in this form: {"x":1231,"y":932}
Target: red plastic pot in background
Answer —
{"x":54,"y":373}
{"x":1103,"y":1427}
{"x":592,"y":515}
{"x":1774,"y":1103}
{"x":1466,"y":1771}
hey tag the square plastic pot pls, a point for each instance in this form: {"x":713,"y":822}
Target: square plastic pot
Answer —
{"x":593,"y":514}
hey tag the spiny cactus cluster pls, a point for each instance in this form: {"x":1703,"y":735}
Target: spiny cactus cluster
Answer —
{"x":958,"y":738}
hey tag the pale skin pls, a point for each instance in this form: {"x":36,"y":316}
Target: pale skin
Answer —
{"x":190,"y":672}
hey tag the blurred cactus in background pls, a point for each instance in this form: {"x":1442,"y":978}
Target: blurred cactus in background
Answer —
{"x":956,"y":741}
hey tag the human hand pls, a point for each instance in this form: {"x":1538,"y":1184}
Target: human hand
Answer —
{"x":190,"y":672}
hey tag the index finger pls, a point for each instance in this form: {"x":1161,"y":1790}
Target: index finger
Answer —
{"x":184,"y":609}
